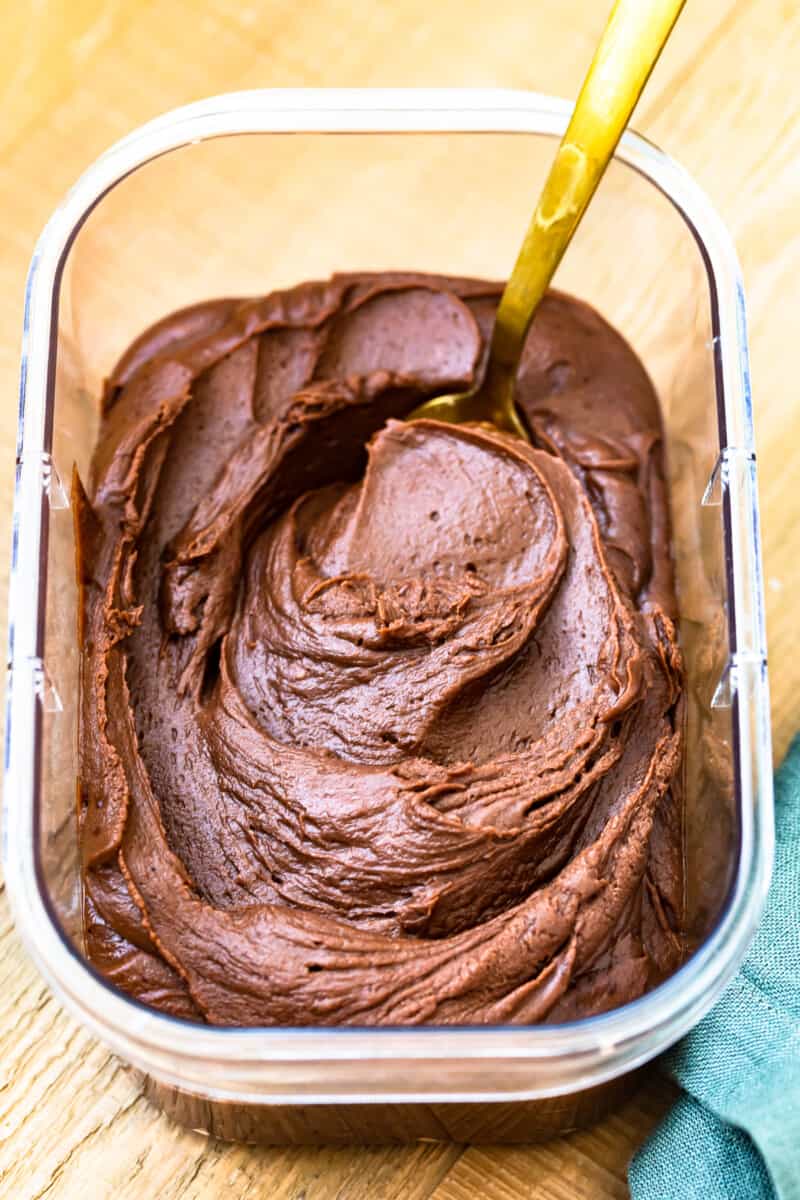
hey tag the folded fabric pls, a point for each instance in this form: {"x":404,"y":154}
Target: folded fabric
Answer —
{"x":735,"y":1134}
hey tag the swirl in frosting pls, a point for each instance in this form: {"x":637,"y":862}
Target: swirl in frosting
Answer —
{"x":381,"y":719}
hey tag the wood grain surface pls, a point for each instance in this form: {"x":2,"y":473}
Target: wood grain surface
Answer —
{"x":77,"y":74}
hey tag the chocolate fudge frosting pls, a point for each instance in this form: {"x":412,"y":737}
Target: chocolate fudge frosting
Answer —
{"x":380,"y":720}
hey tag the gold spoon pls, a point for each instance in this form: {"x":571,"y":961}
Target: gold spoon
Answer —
{"x":629,"y":48}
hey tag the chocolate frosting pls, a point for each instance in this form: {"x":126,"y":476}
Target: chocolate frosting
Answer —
{"x":380,"y":719}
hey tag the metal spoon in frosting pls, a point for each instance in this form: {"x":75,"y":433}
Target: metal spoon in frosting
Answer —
{"x":635,"y":35}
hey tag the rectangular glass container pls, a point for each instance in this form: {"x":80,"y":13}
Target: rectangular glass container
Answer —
{"x":245,"y":193}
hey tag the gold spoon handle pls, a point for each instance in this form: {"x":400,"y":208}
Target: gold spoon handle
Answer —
{"x":628,"y":51}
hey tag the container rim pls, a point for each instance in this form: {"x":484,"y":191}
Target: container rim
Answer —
{"x":231,"y":1063}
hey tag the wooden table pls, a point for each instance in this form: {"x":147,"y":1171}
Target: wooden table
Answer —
{"x":76,"y":75}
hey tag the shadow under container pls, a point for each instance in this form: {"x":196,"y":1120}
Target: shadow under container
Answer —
{"x":245,"y":193}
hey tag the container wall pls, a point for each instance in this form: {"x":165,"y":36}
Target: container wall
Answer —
{"x":74,"y":432}
{"x":370,"y":1124}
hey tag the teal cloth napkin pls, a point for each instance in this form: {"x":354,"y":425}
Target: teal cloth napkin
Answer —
{"x":735,"y":1133}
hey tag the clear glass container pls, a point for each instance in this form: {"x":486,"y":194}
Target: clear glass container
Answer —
{"x":253,"y":191}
